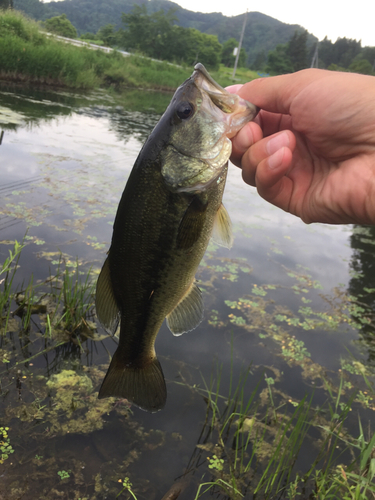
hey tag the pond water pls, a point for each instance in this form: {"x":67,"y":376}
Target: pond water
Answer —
{"x":289,"y":305}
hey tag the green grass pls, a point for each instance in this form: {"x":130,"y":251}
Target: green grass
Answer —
{"x":225,"y":76}
{"x":7,"y":274}
{"x":63,"y":303}
{"x":249,"y":446}
{"x":28,"y":55}
{"x":72,"y":298}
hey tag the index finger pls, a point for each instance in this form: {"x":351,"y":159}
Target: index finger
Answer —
{"x":276,"y":93}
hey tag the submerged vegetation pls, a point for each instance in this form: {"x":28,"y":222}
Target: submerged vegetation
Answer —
{"x":250,"y":443}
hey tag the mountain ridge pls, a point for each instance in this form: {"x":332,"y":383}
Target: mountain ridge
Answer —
{"x":262,"y":32}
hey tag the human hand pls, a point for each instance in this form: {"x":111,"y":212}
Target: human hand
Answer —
{"x":311,"y":149}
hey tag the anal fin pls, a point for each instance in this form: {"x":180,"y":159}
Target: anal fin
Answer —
{"x":188,"y":313}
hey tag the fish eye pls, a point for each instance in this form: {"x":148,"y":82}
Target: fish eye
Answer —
{"x":184,"y":110}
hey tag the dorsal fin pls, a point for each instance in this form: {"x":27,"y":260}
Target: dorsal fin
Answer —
{"x":107,"y":310}
{"x":222,"y":231}
{"x":188,"y":313}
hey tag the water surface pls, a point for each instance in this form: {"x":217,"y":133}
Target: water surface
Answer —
{"x":281,"y":301}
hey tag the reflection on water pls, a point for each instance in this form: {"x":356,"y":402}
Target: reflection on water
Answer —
{"x":289,"y":300}
{"x":362,"y":283}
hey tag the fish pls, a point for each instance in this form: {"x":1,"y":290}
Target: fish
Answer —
{"x":170,"y":208}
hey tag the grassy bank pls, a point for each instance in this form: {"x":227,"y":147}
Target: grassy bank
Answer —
{"x":28,"y":55}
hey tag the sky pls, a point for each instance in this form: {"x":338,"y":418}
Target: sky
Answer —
{"x":331,"y":18}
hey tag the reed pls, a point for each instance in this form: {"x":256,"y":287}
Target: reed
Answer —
{"x":63,"y":303}
{"x":78,"y":299}
{"x":7,"y":274}
{"x":254,"y":449}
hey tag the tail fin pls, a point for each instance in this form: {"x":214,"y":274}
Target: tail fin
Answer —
{"x":143,"y":386}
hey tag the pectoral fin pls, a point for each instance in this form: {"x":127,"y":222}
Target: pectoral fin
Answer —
{"x":191,"y":224}
{"x":106,"y":307}
{"x":188,"y":313}
{"x":222,"y":231}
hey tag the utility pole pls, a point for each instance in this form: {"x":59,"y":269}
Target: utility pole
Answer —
{"x":239,"y":46}
{"x":315,"y":62}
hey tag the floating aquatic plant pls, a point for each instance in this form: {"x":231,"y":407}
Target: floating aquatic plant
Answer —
{"x":5,"y":446}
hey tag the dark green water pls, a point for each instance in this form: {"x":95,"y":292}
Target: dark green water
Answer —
{"x":293,"y":301}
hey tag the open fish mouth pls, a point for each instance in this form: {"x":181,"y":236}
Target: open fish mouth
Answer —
{"x":238,"y":110}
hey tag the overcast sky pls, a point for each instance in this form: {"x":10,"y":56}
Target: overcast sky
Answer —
{"x":334,"y":19}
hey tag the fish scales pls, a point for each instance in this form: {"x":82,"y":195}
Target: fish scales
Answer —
{"x":164,"y":221}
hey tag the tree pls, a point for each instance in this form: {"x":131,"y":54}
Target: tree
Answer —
{"x":278,"y":61}
{"x":335,"y":67}
{"x":107,"y":34}
{"x":156,"y":36}
{"x":345,"y":51}
{"x":260,"y":61}
{"x":88,"y":36}
{"x":60,"y":25}
{"x":297,"y":50}
{"x":326,"y":53}
{"x":151,"y":34}
{"x":33,"y":8}
{"x":6,"y":4}
{"x":227,"y":57}
{"x":289,"y":57}
{"x":369,"y":54}
{"x":361,"y":66}
{"x":209,"y":49}
{"x":341,"y":53}
{"x":186,"y":45}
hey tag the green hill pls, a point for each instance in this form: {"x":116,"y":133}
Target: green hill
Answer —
{"x":262,"y":33}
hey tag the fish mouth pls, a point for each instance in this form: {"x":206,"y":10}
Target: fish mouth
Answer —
{"x":200,"y":72}
{"x":240,"y":111}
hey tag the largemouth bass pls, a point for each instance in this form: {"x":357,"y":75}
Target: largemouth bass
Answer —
{"x":171,"y":204}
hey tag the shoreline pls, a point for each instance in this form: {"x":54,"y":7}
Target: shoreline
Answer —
{"x":24,"y":80}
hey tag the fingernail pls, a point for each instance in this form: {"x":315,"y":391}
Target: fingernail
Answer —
{"x":233,"y":89}
{"x":275,"y":160}
{"x":277,"y":142}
